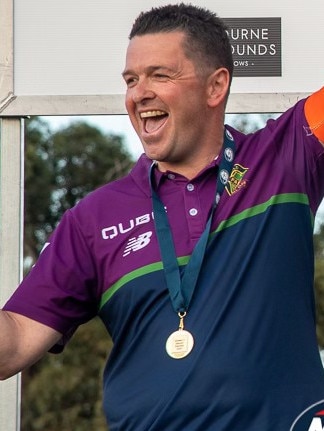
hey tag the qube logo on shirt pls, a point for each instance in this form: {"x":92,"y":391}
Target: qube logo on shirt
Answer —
{"x":311,"y":419}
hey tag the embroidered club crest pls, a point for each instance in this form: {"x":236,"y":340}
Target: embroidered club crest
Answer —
{"x":236,"y":180}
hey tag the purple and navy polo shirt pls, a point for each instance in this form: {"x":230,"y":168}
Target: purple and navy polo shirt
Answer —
{"x":255,"y":363}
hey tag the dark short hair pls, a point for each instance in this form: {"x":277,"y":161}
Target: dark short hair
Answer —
{"x":206,"y":38}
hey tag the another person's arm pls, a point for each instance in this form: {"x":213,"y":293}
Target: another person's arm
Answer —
{"x":23,"y":341}
{"x":314,"y":112}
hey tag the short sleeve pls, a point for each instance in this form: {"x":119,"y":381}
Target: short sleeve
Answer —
{"x":60,"y":290}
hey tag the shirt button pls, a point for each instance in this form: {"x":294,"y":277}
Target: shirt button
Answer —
{"x":171,"y":176}
{"x":193,"y":212}
{"x":190,"y":187}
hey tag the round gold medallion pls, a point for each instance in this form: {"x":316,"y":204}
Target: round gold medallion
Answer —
{"x":179,"y":344}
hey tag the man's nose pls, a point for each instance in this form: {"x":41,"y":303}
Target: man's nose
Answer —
{"x":142,"y":91}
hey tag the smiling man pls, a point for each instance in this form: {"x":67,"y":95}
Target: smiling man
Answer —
{"x":168,"y":99}
{"x":200,"y":261}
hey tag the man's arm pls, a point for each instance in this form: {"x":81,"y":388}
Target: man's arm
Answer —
{"x":23,"y":342}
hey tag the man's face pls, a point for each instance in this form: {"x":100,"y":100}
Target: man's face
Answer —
{"x":166,"y":100}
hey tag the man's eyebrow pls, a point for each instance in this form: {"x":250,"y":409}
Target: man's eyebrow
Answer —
{"x":148,"y":70}
{"x":127,"y":72}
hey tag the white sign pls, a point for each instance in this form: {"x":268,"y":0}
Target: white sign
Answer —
{"x":76,"y":49}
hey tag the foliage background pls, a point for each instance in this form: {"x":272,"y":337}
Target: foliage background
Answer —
{"x":64,"y":392}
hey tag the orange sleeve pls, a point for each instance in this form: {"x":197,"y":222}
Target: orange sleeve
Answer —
{"x":314,"y":112}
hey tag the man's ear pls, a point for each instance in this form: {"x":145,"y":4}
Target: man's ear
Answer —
{"x":218,"y":87}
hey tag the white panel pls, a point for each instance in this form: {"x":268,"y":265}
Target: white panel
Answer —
{"x":11,"y":183}
{"x":6,"y":50}
{"x":10,"y":404}
{"x":77,"y":47}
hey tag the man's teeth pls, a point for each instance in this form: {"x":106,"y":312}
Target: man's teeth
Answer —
{"x":152,"y":114}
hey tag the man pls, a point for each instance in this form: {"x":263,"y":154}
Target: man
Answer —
{"x":200,"y":264}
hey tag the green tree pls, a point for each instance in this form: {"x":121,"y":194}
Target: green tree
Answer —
{"x":60,"y":169}
{"x":39,"y":186}
{"x":83,"y":159}
{"x":63,"y":392}
{"x":319,"y":283}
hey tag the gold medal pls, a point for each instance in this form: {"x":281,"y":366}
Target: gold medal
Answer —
{"x":180,"y":343}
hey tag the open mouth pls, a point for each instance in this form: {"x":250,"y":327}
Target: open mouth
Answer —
{"x":153,"y":120}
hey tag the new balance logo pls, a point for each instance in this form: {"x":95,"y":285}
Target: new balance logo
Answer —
{"x":311,"y":419}
{"x":135,"y":244}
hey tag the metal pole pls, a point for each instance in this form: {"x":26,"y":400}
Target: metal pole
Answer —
{"x":11,"y":222}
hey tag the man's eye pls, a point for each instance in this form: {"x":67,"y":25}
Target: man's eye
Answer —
{"x":130,"y":82}
{"x":160,"y":76}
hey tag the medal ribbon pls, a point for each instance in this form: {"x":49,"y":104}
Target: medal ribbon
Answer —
{"x":181,"y":288}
